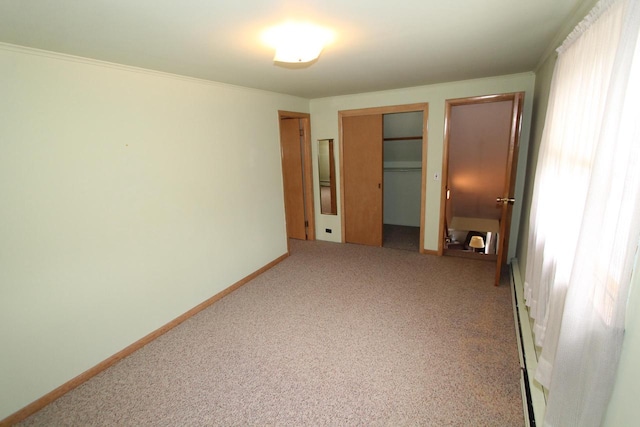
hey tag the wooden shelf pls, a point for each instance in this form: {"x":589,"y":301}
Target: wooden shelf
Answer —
{"x":403,"y":138}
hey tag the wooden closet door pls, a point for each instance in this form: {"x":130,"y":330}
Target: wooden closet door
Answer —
{"x":293,"y":178}
{"x":362,"y":162}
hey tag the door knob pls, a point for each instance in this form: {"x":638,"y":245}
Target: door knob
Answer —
{"x":505,"y":200}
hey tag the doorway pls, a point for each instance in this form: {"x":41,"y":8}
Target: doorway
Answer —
{"x":369,"y":163}
{"x":481,"y":146}
{"x":402,"y":159}
{"x":295,"y":149}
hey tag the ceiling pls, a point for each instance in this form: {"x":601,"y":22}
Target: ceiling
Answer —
{"x":379,"y":44}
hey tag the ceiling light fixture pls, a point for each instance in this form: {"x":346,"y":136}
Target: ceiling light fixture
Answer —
{"x":297,"y":42}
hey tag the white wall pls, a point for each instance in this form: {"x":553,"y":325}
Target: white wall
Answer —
{"x":127,"y":197}
{"x":401,"y":199}
{"x":623,"y":407}
{"x":324,"y":124}
{"x":402,"y":162}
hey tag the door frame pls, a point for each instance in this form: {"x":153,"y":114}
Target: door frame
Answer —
{"x":514,"y":142}
{"x":405,"y":108}
{"x":307,"y":168}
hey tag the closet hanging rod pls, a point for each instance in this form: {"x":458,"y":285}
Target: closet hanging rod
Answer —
{"x":403,"y":138}
{"x":413,"y":169}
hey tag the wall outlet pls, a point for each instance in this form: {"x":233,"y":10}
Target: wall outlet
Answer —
{"x":328,"y":230}
{"x":436,"y":176}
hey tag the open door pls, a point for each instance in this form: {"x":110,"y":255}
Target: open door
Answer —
{"x":362,"y":179}
{"x":507,"y":198}
{"x":481,"y":151}
{"x":295,"y":146}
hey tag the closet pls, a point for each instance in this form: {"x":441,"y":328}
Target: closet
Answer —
{"x":382,"y":167}
{"x":402,"y":174}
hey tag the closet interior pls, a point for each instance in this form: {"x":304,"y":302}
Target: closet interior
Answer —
{"x":402,"y":173}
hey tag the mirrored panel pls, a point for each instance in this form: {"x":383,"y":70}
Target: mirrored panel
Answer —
{"x":327,"y":177}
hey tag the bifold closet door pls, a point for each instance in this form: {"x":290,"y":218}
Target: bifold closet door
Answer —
{"x":362,"y":162}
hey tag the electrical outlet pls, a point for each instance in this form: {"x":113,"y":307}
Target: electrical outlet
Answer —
{"x":436,"y":176}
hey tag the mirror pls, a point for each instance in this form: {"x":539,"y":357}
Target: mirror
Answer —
{"x":327,"y":177}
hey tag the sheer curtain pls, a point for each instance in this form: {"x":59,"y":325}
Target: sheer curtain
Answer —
{"x":585,"y":218}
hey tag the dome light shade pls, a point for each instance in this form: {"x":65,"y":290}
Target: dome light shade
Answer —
{"x":297,"y":42}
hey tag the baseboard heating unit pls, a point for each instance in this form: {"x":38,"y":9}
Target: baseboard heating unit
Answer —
{"x":533,"y":397}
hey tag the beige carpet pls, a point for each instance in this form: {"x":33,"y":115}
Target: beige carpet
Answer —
{"x":336,"y":334}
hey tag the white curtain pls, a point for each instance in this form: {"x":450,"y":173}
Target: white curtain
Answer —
{"x":585,"y":217}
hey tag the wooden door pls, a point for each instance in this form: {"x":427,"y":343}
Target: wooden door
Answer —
{"x":293,"y":178}
{"x":509,"y":120}
{"x":362,"y":178}
{"x":507,"y":197}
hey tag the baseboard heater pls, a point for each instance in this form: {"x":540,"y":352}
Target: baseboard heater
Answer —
{"x":533,"y":397}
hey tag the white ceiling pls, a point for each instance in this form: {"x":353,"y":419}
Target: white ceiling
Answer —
{"x":380,"y":44}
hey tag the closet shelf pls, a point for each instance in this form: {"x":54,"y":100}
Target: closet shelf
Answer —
{"x":403,"y":138}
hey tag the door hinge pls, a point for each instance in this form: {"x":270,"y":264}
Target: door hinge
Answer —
{"x":306,"y":224}
{"x":301,"y":132}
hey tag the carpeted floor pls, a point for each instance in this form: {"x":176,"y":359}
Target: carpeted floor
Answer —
{"x":336,"y":334}
{"x":401,"y":237}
